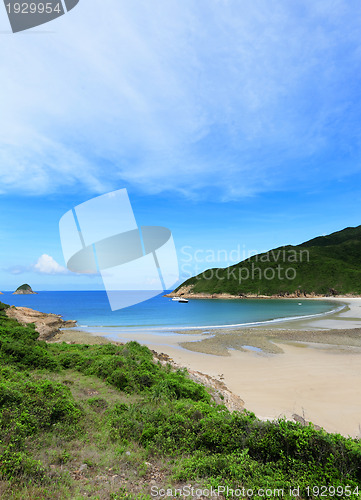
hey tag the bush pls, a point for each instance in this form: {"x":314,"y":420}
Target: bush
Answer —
{"x":18,"y":346}
{"x":3,"y":307}
{"x":27,"y":407}
{"x":129,"y":368}
{"x":229,"y":446}
{"x":18,"y":465}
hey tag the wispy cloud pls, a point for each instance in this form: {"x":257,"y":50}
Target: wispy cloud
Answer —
{"x":47,"y":265}
{"x":203,"y":98}
{"x":44,"y":265}
{"x":17,"y":270}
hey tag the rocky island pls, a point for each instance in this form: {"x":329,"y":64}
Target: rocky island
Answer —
{"x":24,"y":290}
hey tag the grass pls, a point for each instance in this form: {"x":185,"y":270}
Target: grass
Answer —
{"x":107,"y":422}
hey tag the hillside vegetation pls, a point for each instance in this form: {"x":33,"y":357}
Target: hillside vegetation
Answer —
{"x":327,"y":265}
{"x":107,"y":422}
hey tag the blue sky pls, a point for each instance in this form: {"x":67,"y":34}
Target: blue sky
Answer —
{"x":235,"y":124}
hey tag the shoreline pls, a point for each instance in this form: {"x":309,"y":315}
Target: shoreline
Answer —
{"x":187,"y":294}
{"x":309,"y":367}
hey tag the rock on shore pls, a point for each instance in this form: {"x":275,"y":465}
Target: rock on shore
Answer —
{"x":47,"y":325}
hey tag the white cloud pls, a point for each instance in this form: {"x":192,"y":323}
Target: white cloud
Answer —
{"x":183,"y":96}
{"x":47,"y":265}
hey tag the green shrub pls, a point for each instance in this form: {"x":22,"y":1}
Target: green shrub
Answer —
{"x":3,"y":307}
{"x":225,"y":445}
{"x":129,"y":368}
{"x":27,"y":407}
{"x":18,"y":346}
{"x":18,"y":465}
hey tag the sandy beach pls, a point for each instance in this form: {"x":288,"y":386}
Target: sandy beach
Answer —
{"x":310,"y":367}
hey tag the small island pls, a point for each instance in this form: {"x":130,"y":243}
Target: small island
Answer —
{"x":24,"y":290}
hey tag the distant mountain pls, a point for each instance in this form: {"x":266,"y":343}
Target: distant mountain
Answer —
{"x":326,"y":265}
{"x":24,"y":290}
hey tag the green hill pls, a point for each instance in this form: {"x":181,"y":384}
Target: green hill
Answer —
{"x":326,"y":265}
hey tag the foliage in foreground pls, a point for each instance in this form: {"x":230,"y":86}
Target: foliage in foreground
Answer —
{"x":218,"y":444}
{"x":28,"y":407}
{"x":171,"y":419}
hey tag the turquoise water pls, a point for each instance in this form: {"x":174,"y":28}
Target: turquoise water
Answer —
{"x":91,"y":309}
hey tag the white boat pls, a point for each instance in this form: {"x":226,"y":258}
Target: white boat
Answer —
{"x":180,"y":299}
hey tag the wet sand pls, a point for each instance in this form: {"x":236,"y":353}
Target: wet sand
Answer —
{"x":311,"y":367}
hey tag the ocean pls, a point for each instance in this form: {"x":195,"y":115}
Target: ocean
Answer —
{"x":91,"y":310}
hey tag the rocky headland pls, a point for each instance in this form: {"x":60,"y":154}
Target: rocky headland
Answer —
{"x":47,"y":325}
